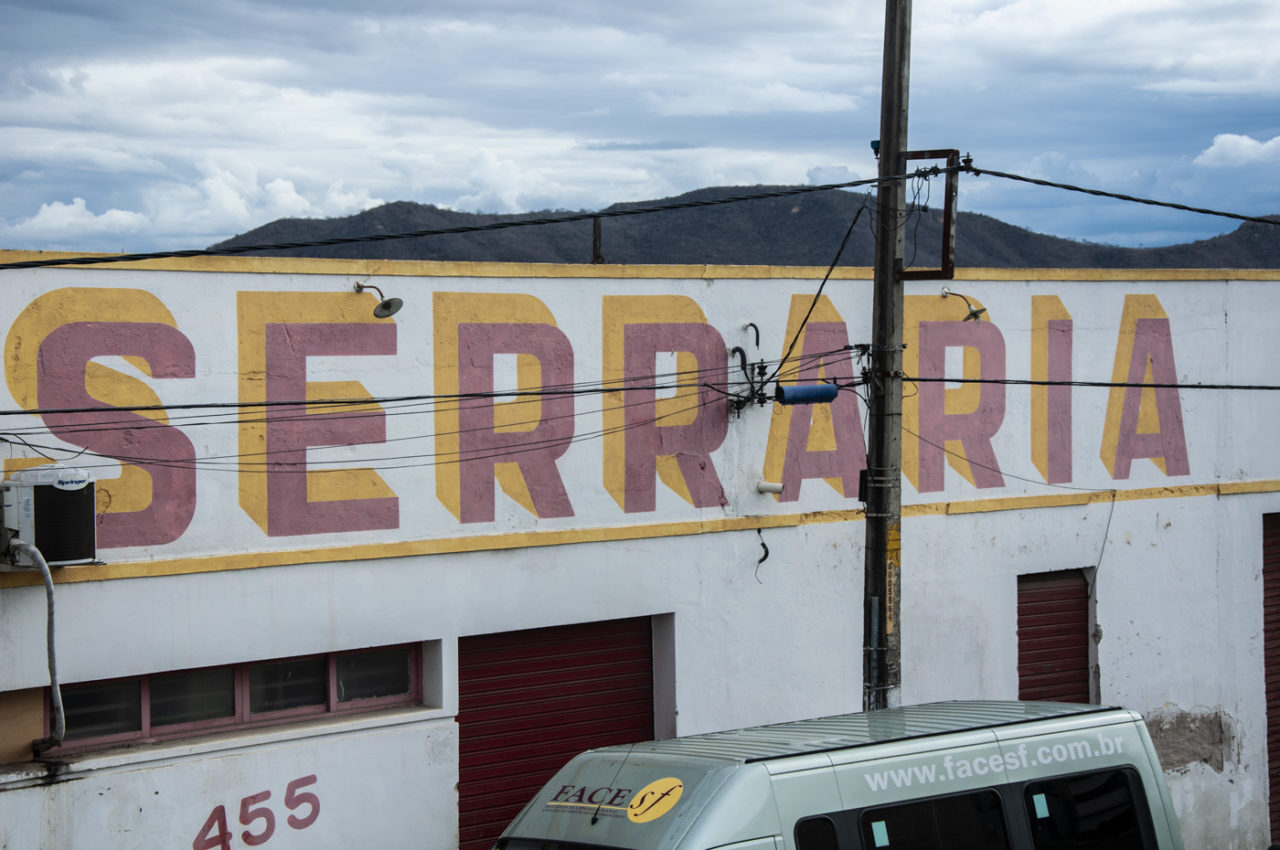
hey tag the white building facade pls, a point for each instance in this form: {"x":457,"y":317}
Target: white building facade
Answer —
{"x":359,"y":580}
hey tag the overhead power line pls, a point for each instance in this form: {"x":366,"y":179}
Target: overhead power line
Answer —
{"x":1021,"y":382}
{"x":922,"y":173}
{"x":242,"y":463}
{"x":469,"y":228}
{"x":260,"y":461}
{"x":817,"y":296}
{"x":969,"y":167}
{"x":660,"y":382}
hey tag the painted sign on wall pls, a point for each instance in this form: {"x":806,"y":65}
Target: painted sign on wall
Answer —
{"x":248,"y":412}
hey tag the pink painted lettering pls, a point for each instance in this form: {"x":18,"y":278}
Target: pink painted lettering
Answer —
{"x":648,"y":438}
{"x":848,"y":456}
{"x":1153,"y":351}
{"x":290,"y":430}
{"x":534,"y":450}
{"x":161,"y":450}
{"x":973,"y":430}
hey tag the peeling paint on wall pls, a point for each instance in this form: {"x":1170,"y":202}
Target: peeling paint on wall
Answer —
{"x":1183,"y":738}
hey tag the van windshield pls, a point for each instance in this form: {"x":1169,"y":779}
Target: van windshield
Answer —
{"x":543,"y":844}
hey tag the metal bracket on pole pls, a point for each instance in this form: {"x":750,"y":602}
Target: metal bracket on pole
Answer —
{"x":947,"y":271}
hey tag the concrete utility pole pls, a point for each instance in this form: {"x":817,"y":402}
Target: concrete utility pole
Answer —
{"x":882,"y":639}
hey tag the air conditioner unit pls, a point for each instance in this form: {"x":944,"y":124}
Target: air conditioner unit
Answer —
{"x":52,"y":508}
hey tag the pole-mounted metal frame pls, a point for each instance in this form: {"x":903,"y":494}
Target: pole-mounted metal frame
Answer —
{"x":947,"y":255}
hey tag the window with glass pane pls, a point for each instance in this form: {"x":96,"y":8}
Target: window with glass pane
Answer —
{"x":104,"y":708}
{"x":366,"y":675}
{"x":963,"y":822}
{"x":1088,"y":810}
{"x":185,"y":702}
{"x":193,"y":695}
{"x":295,"y":683}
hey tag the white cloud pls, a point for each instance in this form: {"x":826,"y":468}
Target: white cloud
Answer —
{"x":233,"y":197}
{"x":1157,"y":45}
{"x":1229,"y":149}
{"x":201,"y":121}
{"x":338,"y":200}
{"x":225,"y":201}
{"x":822,"y":175}
{"x":743,"y":98}
{"x":60,"y":222}
{"x":283,"y":200}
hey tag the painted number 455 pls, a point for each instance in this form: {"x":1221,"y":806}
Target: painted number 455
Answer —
{"x":215,"y":834}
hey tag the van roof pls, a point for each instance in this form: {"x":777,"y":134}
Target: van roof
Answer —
{"x":803,"y":737}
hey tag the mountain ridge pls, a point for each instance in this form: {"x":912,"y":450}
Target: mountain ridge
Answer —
{"x":797,"y":229}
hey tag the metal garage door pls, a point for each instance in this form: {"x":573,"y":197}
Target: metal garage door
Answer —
{"x":528,"y":701}
{"x":1271,"y":655}
{"x":1053,"y":637}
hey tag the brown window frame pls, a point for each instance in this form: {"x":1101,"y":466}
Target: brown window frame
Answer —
{"x":242,"y":716}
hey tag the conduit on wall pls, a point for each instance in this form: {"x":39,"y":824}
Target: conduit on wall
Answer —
{"x":59,"y":716}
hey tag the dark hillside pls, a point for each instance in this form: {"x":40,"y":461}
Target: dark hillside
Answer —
{"x":793,"y":230}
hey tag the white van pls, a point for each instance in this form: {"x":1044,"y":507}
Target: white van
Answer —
{"x":973,"y":775}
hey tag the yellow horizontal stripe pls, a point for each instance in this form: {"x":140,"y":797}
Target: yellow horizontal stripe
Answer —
{"x":438,"y":268}
{"x":1015,"y":503}
{"x":435,"y":268}
{"x":531,"y":539}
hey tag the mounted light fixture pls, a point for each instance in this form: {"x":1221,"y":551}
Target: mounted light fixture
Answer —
{"x":386,"y":306}
{"x":975,"y":313}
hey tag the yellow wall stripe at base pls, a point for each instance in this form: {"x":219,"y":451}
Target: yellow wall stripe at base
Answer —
{"x":532,"y":539}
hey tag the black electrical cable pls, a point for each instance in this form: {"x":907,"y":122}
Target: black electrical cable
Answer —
{"x":433,"y":458}
{"x":817,"y":296}
{"x":1021,"y":382}
{"x":343,"y":402}
{"x":472,"y":228}
{"x":969,"y":167}
{"x":239,"y":461}
{"x":999,"y":471}
{"x":694,"y":380}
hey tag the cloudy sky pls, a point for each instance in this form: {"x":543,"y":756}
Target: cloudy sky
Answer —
{"x":140,"y":125}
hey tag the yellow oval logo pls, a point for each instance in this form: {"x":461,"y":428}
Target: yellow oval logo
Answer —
{"x":654,"y":800}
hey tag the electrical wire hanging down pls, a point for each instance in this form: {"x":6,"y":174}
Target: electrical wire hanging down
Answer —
{"x":817,"y":296}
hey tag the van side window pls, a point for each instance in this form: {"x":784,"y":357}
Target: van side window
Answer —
{"x":964,"y":822}
{"x":1088,"y":810}
{"x":816,"y":834}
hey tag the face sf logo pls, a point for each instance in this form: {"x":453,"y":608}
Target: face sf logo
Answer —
{"x":654,"y":800}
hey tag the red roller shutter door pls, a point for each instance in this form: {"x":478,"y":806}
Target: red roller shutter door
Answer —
{"x":1053,"y":637}
{"x":1271,"y":656}
{"x":529,"y":701}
